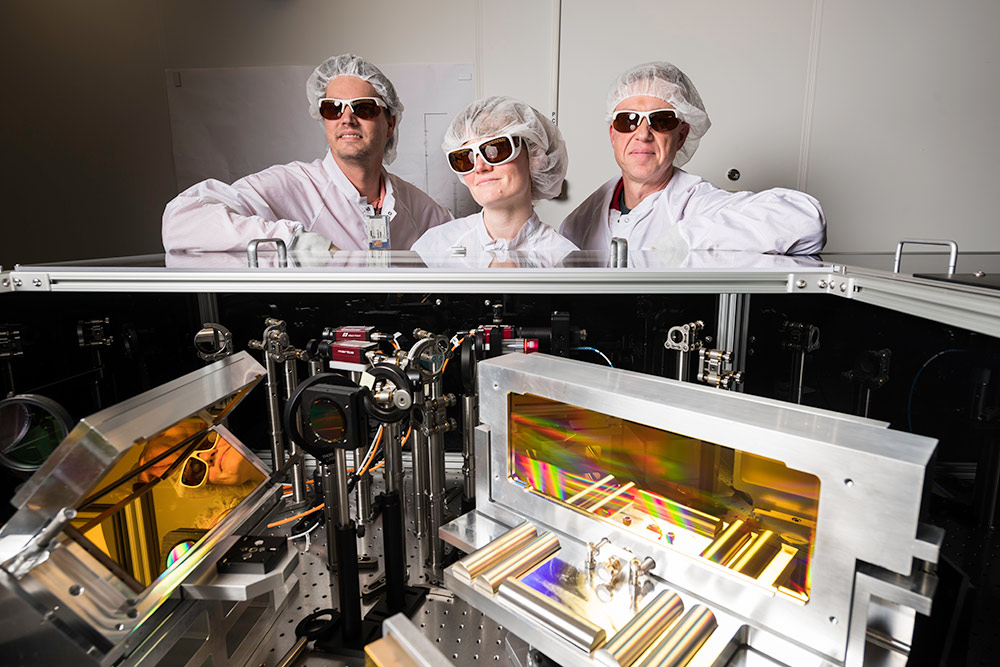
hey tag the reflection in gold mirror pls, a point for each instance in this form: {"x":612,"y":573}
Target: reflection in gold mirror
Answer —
{"x":162,"y":496}
{"x":748,"y":514}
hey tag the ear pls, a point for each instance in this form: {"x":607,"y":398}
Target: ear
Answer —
{"x":685,"y":128}
{"x":611,"y":133}
{"x":391,"y":120}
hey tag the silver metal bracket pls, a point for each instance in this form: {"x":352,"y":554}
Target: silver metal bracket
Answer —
{"x":830,"y":283}
{"x":17,"y":281}
{"x":619,"y":253}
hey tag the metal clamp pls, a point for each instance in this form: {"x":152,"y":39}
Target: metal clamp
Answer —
{"x":952,"y":257}
{"x":252,"y":252}
{"x":213,"y":342}
{"x":619,"y":253}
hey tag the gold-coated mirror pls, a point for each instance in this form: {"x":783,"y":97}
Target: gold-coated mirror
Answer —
{"x":751,"y":515}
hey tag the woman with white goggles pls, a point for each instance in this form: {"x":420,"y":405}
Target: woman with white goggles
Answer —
{"x":508,"y":155}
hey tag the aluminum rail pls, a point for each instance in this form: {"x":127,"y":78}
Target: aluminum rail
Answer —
{"x":525,"y":281}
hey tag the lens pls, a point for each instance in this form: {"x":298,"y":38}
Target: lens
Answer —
{"x":31,"y":427}
{"x":626,"y":121}
{"x":194,"y":472}
{"x":208,"y":442}
{"x":330,"y":109}
{"x":664,"y":121}
{"x":463,"y":160}
{"x":496,"y":150}
{"x":327,"y":420}
{"x":15,"y":421}
{"x":366,"y":109}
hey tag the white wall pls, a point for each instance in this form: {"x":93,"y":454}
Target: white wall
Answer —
{"x":883,"y":110}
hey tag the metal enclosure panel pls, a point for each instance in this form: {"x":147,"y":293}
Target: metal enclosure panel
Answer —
{"x":94,"y":446}
{"x":871,"y":482}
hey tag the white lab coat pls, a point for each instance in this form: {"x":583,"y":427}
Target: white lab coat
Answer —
{"x":692,"y":211}
{"x":285,"y":199}
{"x":535,"y":244}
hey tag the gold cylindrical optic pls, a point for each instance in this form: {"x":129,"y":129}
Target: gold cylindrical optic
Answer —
{"x":638,"y":634}
{"x":758,"y":554}
{"x":549,"y":614}
{"x":682,"y":641}
{"x":728,"y":544}
{"x":483,"y":559}
{"x":517,"y":563}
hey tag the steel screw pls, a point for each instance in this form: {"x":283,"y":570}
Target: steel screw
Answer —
{"x":979,"y":274}
{"x":37,"y":282}
{"x":801,"y":284}
{"x":6,"y":282}
{"x":822,"y":283}
{"x":17,"y":282}
{"x":843,"y":287}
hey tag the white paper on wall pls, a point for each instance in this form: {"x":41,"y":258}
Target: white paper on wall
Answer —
{"x":230,"y":122}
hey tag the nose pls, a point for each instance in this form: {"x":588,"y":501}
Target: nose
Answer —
{"x":482,"y":165}
{"x":348,"y":115}
{"x":644,"y":132}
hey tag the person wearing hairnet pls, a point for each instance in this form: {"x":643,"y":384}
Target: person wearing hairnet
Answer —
{"x":657,"y":119}
{"x":346,"y":200}
{"x":508,"y":155}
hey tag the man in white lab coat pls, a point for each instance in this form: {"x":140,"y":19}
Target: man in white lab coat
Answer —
{"x":346,"y":200}
{"x":656,"y":120}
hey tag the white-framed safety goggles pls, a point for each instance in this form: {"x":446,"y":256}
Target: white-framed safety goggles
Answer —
{"x":495,"y":151}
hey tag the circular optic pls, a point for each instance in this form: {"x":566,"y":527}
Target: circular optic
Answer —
{"x":327,"y":420}
{"x":31,"y":427}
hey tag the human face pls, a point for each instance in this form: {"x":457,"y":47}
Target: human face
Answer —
{"x":223,"y":464}
{"x":498,"y":185}
{"x":353,"y":139}
{"x":647,"y":157}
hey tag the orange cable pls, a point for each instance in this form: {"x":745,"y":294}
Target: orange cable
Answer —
{"x":293,"y":518}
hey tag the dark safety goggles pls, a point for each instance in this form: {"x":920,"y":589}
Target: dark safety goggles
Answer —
{"x":660,"y":120}
{"x":364,"y":108}
{"x":495,"y":151}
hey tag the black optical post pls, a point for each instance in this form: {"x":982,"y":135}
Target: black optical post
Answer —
{"x":332,"y":411}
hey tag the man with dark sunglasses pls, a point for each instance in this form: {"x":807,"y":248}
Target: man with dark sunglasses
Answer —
{"x":656,"y":120}
{"x":346,"y":200}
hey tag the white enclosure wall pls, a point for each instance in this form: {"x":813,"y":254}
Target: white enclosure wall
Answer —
{"x":881,"y":110}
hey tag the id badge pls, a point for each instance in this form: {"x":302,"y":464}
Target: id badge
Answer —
{"x":377,"y":227}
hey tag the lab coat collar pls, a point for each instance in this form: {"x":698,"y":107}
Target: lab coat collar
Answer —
{"x":339,"y":179}
{"x":503,"y":245}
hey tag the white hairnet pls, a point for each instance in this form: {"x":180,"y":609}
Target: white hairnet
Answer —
{"x":492,"y":116}
{"x":666,"y":82}
{"x":349,"y":64}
